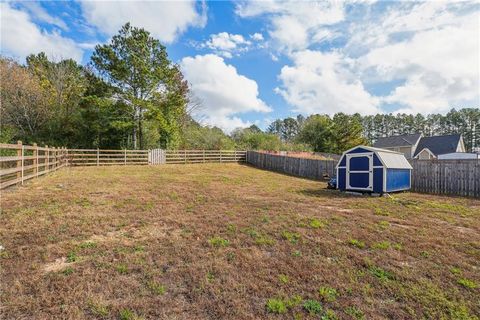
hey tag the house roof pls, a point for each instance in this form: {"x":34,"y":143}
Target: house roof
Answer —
{"x":397,"y":141}
{"x":439,"y":144}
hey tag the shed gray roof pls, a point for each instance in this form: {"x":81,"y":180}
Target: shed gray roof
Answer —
{"x":439,"y":144}
{"x":397,"y":141}
{"x":389,"y":158}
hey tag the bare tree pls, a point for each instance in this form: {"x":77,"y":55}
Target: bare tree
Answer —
{"x":23,"y":102}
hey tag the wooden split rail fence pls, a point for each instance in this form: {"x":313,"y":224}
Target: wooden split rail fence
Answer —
{"x":158,"y":156}
{"x":19,"y":162}
{"x":101,"y":157}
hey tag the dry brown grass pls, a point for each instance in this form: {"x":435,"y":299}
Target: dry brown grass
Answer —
{"x":218,"y":241}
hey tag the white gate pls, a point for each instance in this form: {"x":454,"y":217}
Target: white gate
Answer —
{"x":156,"y":156}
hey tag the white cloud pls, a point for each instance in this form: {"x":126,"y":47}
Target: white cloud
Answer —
{"x":165,"y":20}
{"x":223,"y":92}
{"x":40,"y":14}
{"x":324,"y":83}
{"x":439,"y":61}
{"x":228,"y":45}
{"x":430,"y":50}
{"x":21,"y":37}
{"x":295,"y":24}
{"x":257,"y":36}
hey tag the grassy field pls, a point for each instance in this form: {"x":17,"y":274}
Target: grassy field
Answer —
{"x":226,"y":241}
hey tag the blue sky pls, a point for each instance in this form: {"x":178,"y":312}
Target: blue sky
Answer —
{"x":253,"y":62}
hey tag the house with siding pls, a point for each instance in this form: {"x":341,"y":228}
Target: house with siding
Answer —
{"x":406,"y":144}
{"x":419,"y":147}
{"x":433,"y":147}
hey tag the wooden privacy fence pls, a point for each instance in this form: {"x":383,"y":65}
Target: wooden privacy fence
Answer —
{"x":452,"y":177}
{"x":19,"y":162}
{"x":102,"y":157}
{"x":302,"y":167}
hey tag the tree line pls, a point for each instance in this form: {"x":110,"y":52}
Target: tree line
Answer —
{"x":131,"y":95}
{"x":341,"y":132}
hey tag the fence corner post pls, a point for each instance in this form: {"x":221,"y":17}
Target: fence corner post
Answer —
{"x":98,"y":157}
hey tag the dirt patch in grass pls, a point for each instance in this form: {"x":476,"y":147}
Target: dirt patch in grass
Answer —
{"x":58,"y":265}
{"x":226,"y":241}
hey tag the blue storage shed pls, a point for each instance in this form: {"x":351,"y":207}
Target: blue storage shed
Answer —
{"x":368,"y":169}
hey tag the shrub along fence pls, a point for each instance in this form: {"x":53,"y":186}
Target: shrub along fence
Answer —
{"x":302,"y":167}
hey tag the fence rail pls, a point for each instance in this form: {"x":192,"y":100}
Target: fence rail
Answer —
{"x":302,"y":167}
{"x":102,"y":157}
{"x":19,"y":162}
{"x":451,"y":177}
{"x":204,"y":156}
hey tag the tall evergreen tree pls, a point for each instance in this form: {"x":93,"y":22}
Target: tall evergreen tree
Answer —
{"x":137,"y":65}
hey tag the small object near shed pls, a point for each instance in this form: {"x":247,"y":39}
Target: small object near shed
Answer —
{"x":368,"y":169}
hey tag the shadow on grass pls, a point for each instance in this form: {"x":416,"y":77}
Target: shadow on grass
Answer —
{"x":322,"y":180}
{"x":325,"y":193}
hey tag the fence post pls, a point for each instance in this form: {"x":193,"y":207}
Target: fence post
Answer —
{"x":19,"y":161}
{"x":35,"y":160}
{"x":125,"y":157}
{"x":46,"y":161}
{"x":220,"y":155}
{"x":185,"y":155}
{"x":23,"y":162}
{"x":98,"y":157}
{"x":54,"y":167}
{"x":203,"y":155}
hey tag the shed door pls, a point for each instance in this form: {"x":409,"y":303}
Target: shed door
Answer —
{"x":360,"y":171}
